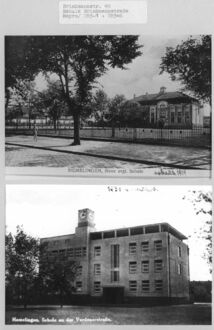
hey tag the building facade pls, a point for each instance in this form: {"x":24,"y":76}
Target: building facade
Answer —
{"x":171,"y":109}
{"x":143,"y":263}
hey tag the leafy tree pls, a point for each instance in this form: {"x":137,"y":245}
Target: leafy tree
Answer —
{"x":22,"y":259}
{"x":58,"y":277}
{"x":114,"y":109}
{"x":202,"y":203}
{"x":190,"y":63}
{"x":78,"y":61}
{"x":99,"y":106}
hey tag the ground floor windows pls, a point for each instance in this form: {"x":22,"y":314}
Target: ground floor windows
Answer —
{"x":97,"y":287}
{"x":79,"y":286}
{"x":133,"y":286}
{"x":145,"y":286}
{"x":158,"y":285}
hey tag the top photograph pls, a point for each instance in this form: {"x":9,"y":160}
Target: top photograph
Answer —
{"x":108,"y":105}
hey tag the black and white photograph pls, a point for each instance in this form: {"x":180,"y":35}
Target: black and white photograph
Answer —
{"x":108,"y":105}
{"x":114,"y":255}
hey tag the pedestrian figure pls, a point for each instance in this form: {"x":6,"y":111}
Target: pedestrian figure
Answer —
{"x":35,"y":129}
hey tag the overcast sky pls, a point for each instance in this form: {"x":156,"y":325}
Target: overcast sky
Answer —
{"x":142,"y":75}
{"x":51,"y":210}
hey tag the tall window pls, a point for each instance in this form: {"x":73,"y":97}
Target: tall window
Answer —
{"x":115,"y":262}
{"x":132,"y":248}
{"x":179,"y":251}
{"x":97,"y":251}
{"x":144,"y":246}
{"x":158,"y":285}
{"x":158,"y":245}
{"x":179,"y":269}
{"x":145,"y":266}
{"x":132,"y":267}
{"x":158,"y":266}
{"x":145,"y":286}
{"x":133,"y":286}
{"x":97,"y":269}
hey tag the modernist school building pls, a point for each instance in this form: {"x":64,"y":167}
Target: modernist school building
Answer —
{"x":143,"y":263}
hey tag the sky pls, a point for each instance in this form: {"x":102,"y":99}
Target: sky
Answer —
{"x":51,"y":210}
{"x":143,"y":74}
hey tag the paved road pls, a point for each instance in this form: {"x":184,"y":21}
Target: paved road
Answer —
{"x":59,"y":153}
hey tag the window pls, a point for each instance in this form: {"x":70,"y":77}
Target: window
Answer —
{"x":144,"y":247}
{"x":67,"y":241}
{"x":132,"y":267}
{"x":97,"y":287}
{"x":115,"y":255}
{"x":132,"y":286}
{"x":145,"y":266}
{"x":132,"y":248}
{"x":145,"y":286}
{"x":79,"y":286}
{"x":158,"y":265}
{"x":84,"y":251}
{"x":158,"y":285}
{"x":97,"y":251}
{"x":115,"y":276}
{"x":179,"y":251}
{"x":179,"y":118}
{"x":97,"y":269}
{"x":172,"y":117}
{"x":78,"y":252}
{"x":179,"y":269}
{"x":158,"y":245}
{"x":70,"y":252}
{"x":79,"y":271}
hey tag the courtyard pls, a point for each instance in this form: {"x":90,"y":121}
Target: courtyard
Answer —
{"x":23,"y":151}
{"x":194,"y":314}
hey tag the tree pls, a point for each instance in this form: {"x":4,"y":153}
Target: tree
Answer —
{"x":190,"y":63}
{"x":114,"y":109}
{"x":78,"y":61}
{"x":99,"y":106}
{"x":22,"y":259}
{"x":58,"y":277}
{"x":202,"y":203}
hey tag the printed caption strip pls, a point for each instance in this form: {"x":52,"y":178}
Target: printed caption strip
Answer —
{"x":103,"y":12}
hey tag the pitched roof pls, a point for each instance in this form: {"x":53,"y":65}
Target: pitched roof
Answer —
{"x":162,"y":96}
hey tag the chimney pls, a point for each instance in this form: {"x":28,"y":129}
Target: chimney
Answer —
{"x":162,"y":90}
{"x":134,"y":96}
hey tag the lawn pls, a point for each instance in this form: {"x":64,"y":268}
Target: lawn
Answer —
{"x":180,"y":314}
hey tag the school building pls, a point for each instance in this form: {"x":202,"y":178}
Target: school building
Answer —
{"x":148,"y":263}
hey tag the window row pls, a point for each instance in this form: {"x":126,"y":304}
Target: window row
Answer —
{"x":132,"y":248}
{"x":71,"y":252}
{"x":146,"y":286}
{"x":145,"y":266}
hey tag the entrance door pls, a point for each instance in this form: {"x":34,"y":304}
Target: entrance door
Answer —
{"x":113,"y":295}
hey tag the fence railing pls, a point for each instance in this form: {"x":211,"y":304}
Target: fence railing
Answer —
{"x":195,"y":136}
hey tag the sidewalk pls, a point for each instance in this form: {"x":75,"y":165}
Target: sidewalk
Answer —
{"x":173,"y":156}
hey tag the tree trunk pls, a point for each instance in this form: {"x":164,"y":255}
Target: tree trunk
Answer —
{"x":76,"y":118}
{"x":54,"y":122}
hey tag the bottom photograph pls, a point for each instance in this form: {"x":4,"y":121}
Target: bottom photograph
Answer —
{"x":113,"y":255}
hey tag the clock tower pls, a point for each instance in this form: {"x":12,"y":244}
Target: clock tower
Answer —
{"x":86,"y":218}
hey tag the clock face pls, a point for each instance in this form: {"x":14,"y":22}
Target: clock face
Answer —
{"x":82,"y":214}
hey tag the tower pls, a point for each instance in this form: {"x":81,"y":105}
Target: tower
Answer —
{"x":85,"y":221}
